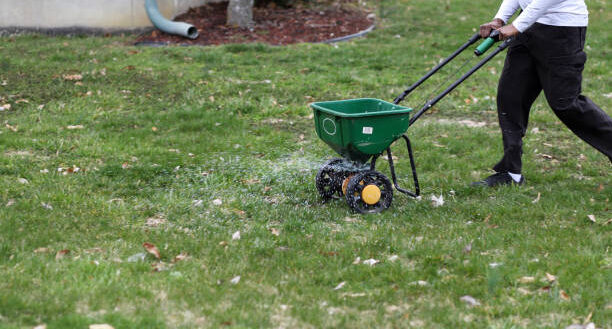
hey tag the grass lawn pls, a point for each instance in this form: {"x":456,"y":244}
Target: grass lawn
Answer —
{"x":107,"y":146}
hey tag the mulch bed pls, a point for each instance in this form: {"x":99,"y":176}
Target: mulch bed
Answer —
{"x":273,"y":25}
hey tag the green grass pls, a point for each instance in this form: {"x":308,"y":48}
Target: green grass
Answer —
{"x":165,"y":127}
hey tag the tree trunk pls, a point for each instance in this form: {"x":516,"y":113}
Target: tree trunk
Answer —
{"x":240,"y":13}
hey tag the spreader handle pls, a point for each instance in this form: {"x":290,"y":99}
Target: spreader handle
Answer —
{"x":470,"y":42}
{"x":454,"y":85}
{"x":487,"y":43}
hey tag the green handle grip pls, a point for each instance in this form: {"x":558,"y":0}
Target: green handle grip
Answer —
{"x":485,"y":45}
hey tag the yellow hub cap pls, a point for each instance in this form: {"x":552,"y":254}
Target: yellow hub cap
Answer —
{"x":370,"y":194}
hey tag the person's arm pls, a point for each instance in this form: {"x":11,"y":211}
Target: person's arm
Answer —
{"x":530,"y":15}
{"x":507,"y":9}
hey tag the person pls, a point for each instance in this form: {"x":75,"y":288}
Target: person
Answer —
{"x":546,"y":54}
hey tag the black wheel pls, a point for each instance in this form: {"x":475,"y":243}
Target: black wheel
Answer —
{"x":329,"y":179}
{"x":369,"y":192}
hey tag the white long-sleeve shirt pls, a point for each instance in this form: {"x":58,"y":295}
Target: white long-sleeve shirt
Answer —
{"x":549,"y":12}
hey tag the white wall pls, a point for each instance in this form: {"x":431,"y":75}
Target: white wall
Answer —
{"x":107,"y":14}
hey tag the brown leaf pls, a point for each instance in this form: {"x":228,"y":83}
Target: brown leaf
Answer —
{"x":60,"y":254}
{"x":600,"y":188}
{"x":11,"y":128}
{"x":72,"y":77}
{"x":41,"y":250}
{"x":94,"y":250}
{"x":152,"y":249}
{"x":527,"y":279}
{"x":563,"y":295}
{"x":537,"y":198}
{"x":180,"y":257}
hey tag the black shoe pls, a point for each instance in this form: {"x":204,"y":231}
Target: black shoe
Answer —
{"x":499,"y":179}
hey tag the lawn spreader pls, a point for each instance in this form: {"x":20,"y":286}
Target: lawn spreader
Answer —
{"x":361,"y":129}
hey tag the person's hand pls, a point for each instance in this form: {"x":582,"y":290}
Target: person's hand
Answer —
{"x":486,"y":28}
{"x":507,"y":31}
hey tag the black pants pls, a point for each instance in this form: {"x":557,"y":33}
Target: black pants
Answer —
{"x":549,"y":58}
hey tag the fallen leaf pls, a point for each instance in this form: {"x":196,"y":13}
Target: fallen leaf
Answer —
{"x":5,"y":107}
{"x":223,"y":243}
{"x":235,"y":279}
{"x":357,"y":261}
{"x":22,"y":180}
{"x":350,"y":219}
{"x":536,"y":199}
{"x":72,"y":127}
{"x":180,"y":257}
{"x":100,"y":326}
{"x":592,"y":218}
{"x":526,"y":279}
{"x":153,"y":128}
{"x":605,"y":223}
{"x":60,"y":254}
{"x":546,"y":156}
{"x":421,"y":283}
{"x":217,"y":202}
{"x":274,"y":231}
{"x":10,"y":202}
{"x":600,"y":188}
{"x":41,"y":250}
{"x":550,"y":277}
{"x":94,"y":250}
{"x":354,"y":294}
{"x":437,"y":201}
{"x":46,"y":206}
{"x":393,"y":258}
{"x":371,"y":261}
{"x":72,"y":77}
{"x":236,"y":235}
{"x":340,"y":285}
{"x":155,"y":221}
{"x":523,"y":291}
{"x":563,"y":295}
{"x":152,"y":249}
{"x":40,"y":326}
{"x":159,"y":267}
{"x":470,"y":301}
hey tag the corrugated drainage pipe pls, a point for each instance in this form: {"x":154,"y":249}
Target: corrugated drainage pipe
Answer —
{"x":168,"y":26}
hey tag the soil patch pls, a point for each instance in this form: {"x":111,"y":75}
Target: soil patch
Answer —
{"x":276,"y":26}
